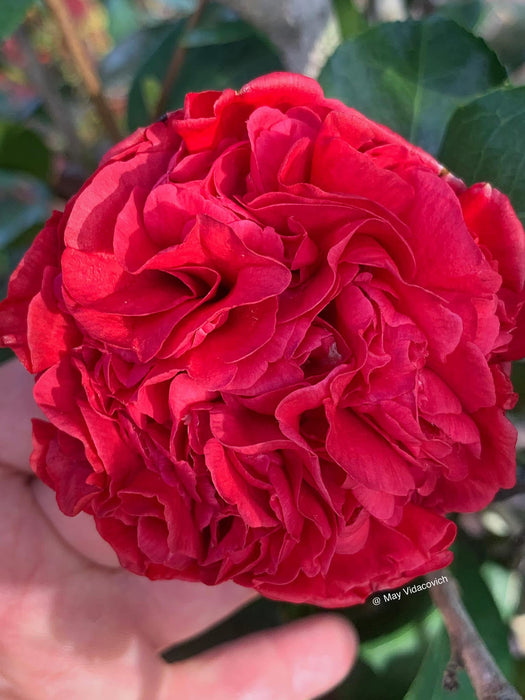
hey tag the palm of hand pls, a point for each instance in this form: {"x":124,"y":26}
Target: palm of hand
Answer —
{"x":75,"y":625}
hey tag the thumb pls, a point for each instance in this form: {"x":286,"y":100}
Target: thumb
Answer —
{"x":302,"y":660}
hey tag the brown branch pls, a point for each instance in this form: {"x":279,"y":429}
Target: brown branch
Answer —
{"x":467,"y":648}
{"x":450,"y":675}
{"x":84,"y":66}
{"x":177,"y":61}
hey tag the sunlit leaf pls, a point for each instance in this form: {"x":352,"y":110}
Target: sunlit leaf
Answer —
{"x":505,"y":587}
{"x":485,"y":141}
{"x":412,"y":75}
{"x":234,"y":55}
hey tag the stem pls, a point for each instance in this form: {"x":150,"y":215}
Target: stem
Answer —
{"x":84,"y":66}
{"x":468,"y":649}
{"x":177,"y":61}
{"x":42,"y":80}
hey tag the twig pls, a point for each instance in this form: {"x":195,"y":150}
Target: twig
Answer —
{"x":450,"y":675}
{"x":177,"y":61}
{"x":468,"y":649}
{"x":84,"y":65}
{"x":42,"y":81}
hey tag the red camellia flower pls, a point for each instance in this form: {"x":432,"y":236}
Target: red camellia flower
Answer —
{"x":272,"y":342}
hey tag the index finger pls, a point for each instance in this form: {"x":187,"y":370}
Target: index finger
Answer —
{"x":17,"y":407}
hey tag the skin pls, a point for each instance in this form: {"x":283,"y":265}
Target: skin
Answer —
{"x":74,"y":624}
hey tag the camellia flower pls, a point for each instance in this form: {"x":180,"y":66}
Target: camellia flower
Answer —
{"x":272,"y":341}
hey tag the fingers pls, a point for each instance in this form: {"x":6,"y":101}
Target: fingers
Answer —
{"x":166,"y":612}
{"x":78,"y":532}
{"x":169,"y":612}
{"x":17,"y":407}
{"x":300,"y":661}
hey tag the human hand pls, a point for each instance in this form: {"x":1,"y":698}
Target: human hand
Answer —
{"x":75,"y":625}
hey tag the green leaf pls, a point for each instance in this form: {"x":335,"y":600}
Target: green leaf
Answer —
{"x":485,"y":141}
{"x":24,"y":203}
{"x":234,"y":65}
{"x":390,"y":661}
{"x":119,"y":67}
{"x":412,"y":75}
{"x":480,"y":604}
{"x":23,"y":150}
{"x":153,"y":67}
{"x":223,"y":33}
{"x":505,"y":586}
{"x":351,"y":21}
{"x":383,"y":651}
{"x":12,"y":14}
{"x":428,"y":683}
{"x":236,"y":58}
{"x":218,"y":25}
{"x":151,"y":92}
{"x":467,"y":13}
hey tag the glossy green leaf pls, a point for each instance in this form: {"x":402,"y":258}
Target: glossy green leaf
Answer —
{"x":218,"y":25}
{"x":467,"y":13}
{"x":119,"y":66}
{"x":390,"y":660}
{"x":234,"y":65}
{"x":407,"y":639}
{"x":224,"y":33}
{"x":351,"y":21}
{"x":412,"y":75}
{"x":428,"y":683}
{"x":153,"y":68}
{"x":505,"y":587}
{"x":224,"y":62}
{"x":151,"y":92}
{"x":23,"y":150}
{"x":24,"y":203}
{"x":485,"y":141}
{"x":12,"y":14}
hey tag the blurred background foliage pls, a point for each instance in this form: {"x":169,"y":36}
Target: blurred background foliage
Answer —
{"x":446,"y":75}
